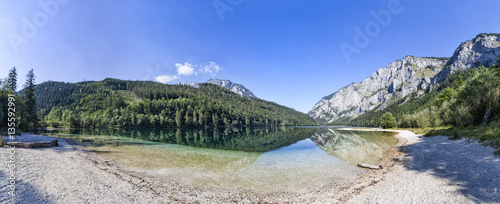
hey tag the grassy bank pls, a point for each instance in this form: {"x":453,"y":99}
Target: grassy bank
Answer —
{"x":489,"y":135}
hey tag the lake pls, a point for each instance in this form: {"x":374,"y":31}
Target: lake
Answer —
{"x":286,"y":159}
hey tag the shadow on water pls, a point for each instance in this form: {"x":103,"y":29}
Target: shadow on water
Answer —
{"x":232,"y":138}
{"x":476,"y":173}
{"x":25,"y":192}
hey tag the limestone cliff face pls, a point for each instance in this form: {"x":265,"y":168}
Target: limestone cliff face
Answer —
{"x":403,"y":77}
{"x":398,"y":79}
{"x":234,"y":87}
{"x":482,"y":50}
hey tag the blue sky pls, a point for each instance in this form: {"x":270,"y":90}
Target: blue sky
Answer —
{"x":289,"y":52}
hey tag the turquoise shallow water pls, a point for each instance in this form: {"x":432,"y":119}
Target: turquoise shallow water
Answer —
{"x":289,"y":159}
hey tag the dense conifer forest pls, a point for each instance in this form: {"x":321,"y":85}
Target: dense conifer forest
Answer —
{"x":120,"y":103}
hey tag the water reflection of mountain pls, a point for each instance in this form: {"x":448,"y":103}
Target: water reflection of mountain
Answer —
{"x":232,"y":138}
{"x":354,"y":146}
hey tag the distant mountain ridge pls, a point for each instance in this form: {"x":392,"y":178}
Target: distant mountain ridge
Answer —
{"x":234,"y":87}
{"x":404,"y":77}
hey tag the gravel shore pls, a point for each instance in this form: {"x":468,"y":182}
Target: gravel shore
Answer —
{"x":437,"y":170}
{"x":427,"y":170}
{"x":63,"y":174}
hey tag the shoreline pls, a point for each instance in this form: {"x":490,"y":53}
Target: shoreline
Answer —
{"x":435,"y":170}
{"x":135,"y":187}
{"x":372,"y":177}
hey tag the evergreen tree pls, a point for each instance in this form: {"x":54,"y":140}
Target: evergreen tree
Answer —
{"x":1,"y":114}
{"x":12,"y":80}
{"x":178,"y":118}
{"x":215,"y":120}
{"x":188,"y":119}
{"x":201,"y":120}
{"x":3,"y":102}
{"x":30,"y":116}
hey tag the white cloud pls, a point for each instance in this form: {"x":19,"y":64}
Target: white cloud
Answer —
{"x":166,"y":78}
{"x":212,"y":68}
{"x":185,"y":69}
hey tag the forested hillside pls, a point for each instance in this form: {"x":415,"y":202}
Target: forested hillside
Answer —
{"x":120,"y":103}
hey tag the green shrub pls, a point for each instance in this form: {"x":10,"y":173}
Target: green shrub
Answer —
{"x":388,"y":121}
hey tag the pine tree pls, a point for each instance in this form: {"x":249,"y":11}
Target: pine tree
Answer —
{"x":188,"y":119}
{"x":12,"y":80}
{"x":201,"y":120}
{"x":1,"y":114}
{"x":195,"y":117}
{"x":215,"y":120}
{"x":178,"y":118}
{"x":30,"y":117}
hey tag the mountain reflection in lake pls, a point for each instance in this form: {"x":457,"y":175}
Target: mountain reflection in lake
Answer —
{"x":355,"y":146}
{"x":232,"y":138}
{"x":288,"y":159}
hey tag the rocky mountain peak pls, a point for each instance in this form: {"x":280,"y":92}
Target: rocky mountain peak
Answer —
{"x":403,"y":77}
{"x":482,"y":50}
{"x":190,"y":83}
{"x":234,"y":87}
